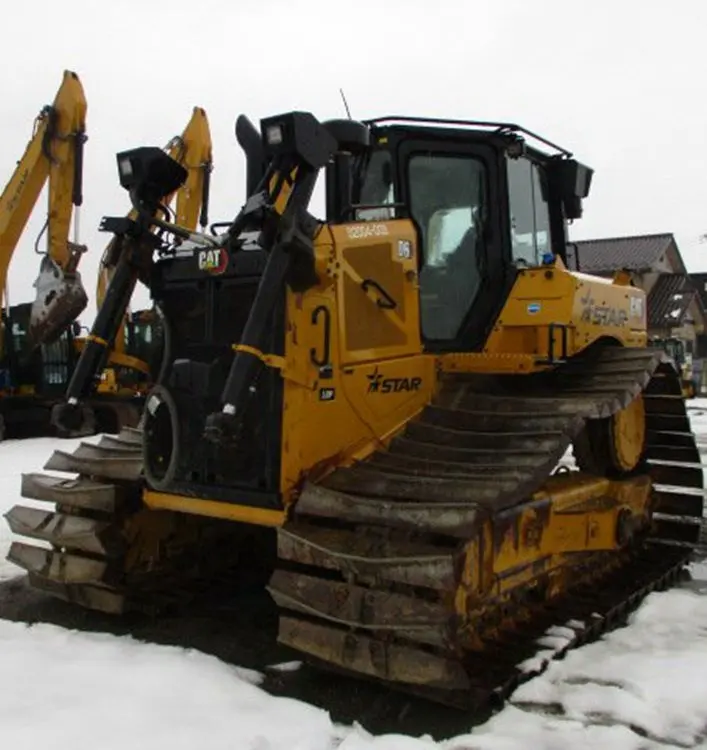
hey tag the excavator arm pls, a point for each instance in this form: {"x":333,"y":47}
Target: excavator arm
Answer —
{"x":55,"y":152}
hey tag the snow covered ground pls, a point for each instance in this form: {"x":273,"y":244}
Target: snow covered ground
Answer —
{"x":643,"y":686}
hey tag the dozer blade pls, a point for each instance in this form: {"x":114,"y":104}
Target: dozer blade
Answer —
{"x":438,"y":564}
{"x":60,"y":299}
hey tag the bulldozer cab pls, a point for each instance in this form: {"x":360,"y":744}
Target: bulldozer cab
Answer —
{"x":484,"y":203}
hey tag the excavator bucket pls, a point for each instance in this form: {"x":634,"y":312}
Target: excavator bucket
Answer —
{"x":60,"y":299}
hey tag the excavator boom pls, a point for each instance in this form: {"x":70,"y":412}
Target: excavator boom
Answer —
{"x":55,"y":152}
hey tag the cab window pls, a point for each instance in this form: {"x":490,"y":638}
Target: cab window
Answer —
{"x":530,"y":218}
{"x":377,"y":189}
{"x":448,"y":202}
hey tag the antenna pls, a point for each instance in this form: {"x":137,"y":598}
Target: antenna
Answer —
{"x":348,"y":111}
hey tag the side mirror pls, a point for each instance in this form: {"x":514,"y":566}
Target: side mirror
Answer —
{"x":571,"y":182}
{"x":76,"y":329}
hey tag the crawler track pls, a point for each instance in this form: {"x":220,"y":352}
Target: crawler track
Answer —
{"x":101,"y":548}
{"x":369,"y":563}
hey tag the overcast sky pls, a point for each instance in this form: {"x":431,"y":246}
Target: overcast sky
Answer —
{"x":621,"y":83}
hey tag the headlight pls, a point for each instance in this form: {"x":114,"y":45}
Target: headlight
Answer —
{"x":273,"y":135}
{"x":126,"y":168}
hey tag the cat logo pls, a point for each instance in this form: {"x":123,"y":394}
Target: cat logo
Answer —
{"x":214,"y":260}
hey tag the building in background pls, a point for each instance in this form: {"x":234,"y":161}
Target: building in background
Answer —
{"x":677,"y":301}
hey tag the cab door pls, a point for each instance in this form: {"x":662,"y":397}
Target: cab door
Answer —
{"x":452,"y":193}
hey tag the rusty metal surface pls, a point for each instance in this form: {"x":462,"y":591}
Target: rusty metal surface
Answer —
{"x":89,"y":463}
{"x":76,"y":492}
{"x":85,"y":536}
{"x":457,"y":519}
{"x":102,"y":549}
{"x":93,"y":597}
{"x":58,"y":566}
{"x":390,"y":661}
{"x":65,"y":531}
{"x":486,"y":444}
{"x":370,"y":563}
{"x":357,"y":606}
{"x":367,"y":556}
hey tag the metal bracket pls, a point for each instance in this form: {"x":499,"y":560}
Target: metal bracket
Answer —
{"x":551,"y":359}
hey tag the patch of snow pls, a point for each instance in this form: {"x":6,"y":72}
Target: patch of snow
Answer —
{"x":286,"y":666}
{"x":69,"y":690}
{"x":649,"y":676}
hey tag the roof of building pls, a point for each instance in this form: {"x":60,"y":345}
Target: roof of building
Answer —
{"x":637,"y":253}
{"x":669,"y":300}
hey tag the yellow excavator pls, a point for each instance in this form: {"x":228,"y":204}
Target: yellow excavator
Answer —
{"x":375,"y":405}
{"x":41,"y":341}
{"x":35,"y":349}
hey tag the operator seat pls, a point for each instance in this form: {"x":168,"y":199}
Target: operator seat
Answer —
{"x":449,"y":290}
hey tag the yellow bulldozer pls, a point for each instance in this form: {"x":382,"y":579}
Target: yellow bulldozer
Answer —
{"x":380,"y":400}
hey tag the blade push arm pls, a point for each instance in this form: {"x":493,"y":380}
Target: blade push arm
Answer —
{"x":148,"y":174}
{"x":298,"y":146}
{"x":193,"y":150}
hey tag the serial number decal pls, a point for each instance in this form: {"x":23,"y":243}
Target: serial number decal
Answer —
{"x":361,"y":231}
